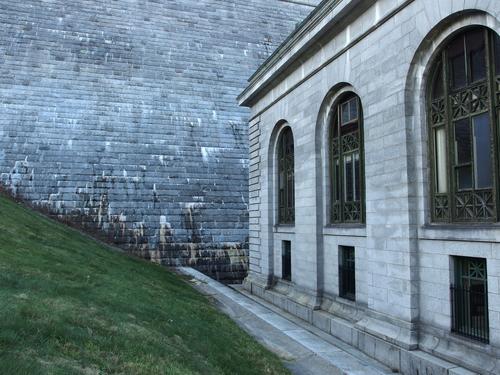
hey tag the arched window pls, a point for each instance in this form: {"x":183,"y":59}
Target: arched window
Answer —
{"x":463,"y":99}
{"x":286,"y":180}
{"x":346,"y":164}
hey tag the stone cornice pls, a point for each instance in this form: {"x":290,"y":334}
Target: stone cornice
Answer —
{"x":320,"y":19}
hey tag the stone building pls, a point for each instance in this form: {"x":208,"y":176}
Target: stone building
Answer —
{"x":375,"y":180}
{"x":121,"y":117}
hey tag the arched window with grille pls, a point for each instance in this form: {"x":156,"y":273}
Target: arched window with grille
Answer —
{"x":346,"y":164}
{"x":463,"y":98}
{"x":286,"y":178}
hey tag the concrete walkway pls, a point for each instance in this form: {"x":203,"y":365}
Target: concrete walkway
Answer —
{"x":303,"y":348}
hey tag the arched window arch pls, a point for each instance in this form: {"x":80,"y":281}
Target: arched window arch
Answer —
{"x":463,"y":112}
{"x":346,"y":160}
{"x":286,"y":178}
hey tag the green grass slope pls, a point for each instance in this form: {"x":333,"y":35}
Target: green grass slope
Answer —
{"x":68,"y":305}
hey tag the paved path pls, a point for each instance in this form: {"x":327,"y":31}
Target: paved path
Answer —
{"x":304,"y":349}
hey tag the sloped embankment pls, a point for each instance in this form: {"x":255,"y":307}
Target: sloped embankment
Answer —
{"x":70,"y":305}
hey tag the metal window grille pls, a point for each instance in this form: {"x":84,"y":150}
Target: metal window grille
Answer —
{"x":469,"y":299}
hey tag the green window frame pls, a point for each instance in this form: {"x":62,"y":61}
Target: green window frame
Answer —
{"x":286,"y":178}
{"x":346,"y":161}
{"x":463,"y":111}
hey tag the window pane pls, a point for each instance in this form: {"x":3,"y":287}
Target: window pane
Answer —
{"x":463,"y":142}
{"x":337,"y":180}
{"x":348,"y":256}
{"x":497,"y":53}
{"x":290,"y":188}
{"x":477,"y":54}
{"x":348,"y":176}
{"x":463,"y":153}
{"x":464,"y":177}
{"x":357,"y":179}
{"x":286,"y":260}
{"x":345,"y":113}
{"x":437,"y":85}
{"x":441,"y":160}
{"x":457,"y":63}
{"x":347,"y":278}
{"x":353,"y":108}
{"x":289,"y":144}
{"x":482,"y":150}
{"x":335,"y":125}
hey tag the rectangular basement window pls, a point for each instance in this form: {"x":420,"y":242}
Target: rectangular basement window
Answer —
{"x":469,"y":298}
{"x":286,"y":260}
{"x":347,"y":279}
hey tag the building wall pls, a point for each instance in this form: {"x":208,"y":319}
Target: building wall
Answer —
{"x":403,"y":274}
{"x":121,"y":117}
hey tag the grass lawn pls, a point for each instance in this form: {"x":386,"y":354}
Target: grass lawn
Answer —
{"x":68,"y":305}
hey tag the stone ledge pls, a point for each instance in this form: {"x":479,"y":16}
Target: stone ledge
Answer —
{"x":378,"y":339}
{"x":451,"y":349}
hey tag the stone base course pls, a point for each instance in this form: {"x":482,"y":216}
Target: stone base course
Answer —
{"x":378,"y":339}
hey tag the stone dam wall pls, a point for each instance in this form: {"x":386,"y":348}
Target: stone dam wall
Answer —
{"x":120,"y":117}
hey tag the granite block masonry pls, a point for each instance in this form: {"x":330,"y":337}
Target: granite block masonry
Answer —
{"x":375,"y":253}
{"x":121,"y":118}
